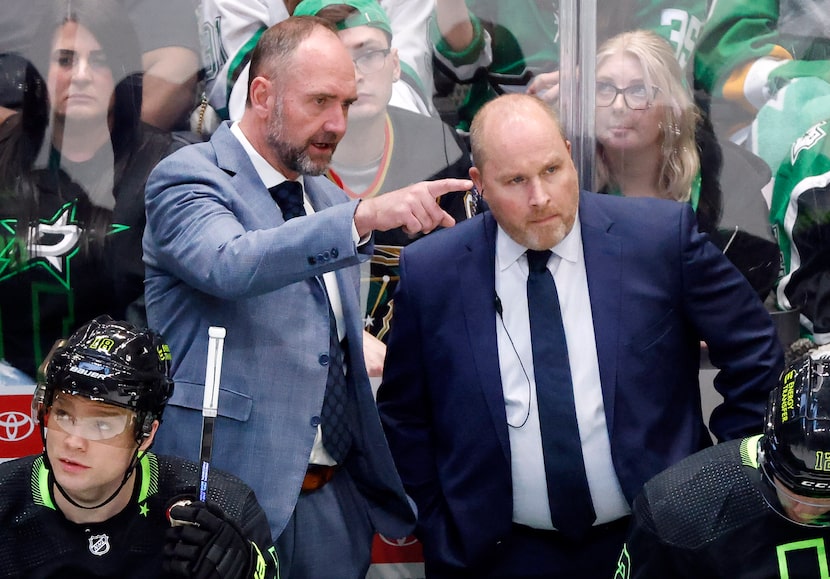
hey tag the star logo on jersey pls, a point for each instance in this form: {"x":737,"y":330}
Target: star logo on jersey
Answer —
{"x":143,"y":509}
{"x":51,"y":244}
{"x":99,"y":545}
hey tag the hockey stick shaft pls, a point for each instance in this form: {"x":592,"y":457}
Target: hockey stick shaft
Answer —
{"x":210,"y":406}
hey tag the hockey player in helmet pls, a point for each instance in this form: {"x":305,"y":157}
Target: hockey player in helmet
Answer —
{"x":794,"y":453}
{"x":757,"y":507}
{"x":96,"y":502}
{"x":107,"y":384}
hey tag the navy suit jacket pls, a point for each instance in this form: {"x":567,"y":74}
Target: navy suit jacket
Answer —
{"x":657,"y":287}
{"x":217,"y":252}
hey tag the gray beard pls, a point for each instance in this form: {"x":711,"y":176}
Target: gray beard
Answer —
{"x":292,"y":157}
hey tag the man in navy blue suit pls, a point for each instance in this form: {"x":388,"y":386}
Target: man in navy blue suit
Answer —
{"x":467,"y":400}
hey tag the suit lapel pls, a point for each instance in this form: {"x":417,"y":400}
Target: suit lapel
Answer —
{"x":603,"y":252}
{"x":317,"y":195}
{"x":232,"y":158}
{"x":476,"y":268}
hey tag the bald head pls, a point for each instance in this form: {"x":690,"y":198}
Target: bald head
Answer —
{"x":498,"y":115}
{"x":524,"y":171}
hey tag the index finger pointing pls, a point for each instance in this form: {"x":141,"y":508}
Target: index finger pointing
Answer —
{"x":442,"y":186}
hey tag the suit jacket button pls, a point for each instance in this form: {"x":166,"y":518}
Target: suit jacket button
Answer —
{"x":323,"y":359}
{"x":334,"y":252}
{"x":315,"y":421}
{"x":312,"y":260}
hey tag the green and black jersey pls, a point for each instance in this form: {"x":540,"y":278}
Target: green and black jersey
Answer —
{"x":37,"y":541}
{"x":706,"y":517}
{"x":800,"y":215}
{"x":66,"y":260}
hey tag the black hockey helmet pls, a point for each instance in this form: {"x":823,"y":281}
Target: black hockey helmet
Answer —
{"x":794,"y":453}
{"x":111,"y":362}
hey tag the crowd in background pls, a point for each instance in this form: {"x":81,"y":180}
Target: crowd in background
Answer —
{"x":721,"y":106}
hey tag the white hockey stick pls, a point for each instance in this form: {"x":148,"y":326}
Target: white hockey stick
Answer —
{"x":210,"y":406}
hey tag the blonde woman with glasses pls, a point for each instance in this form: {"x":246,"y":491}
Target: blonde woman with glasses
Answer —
{"x":645,"y":120}
{"x":654,"y":141}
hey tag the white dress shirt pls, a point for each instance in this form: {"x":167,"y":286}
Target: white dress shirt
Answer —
{"x":567,"y":264}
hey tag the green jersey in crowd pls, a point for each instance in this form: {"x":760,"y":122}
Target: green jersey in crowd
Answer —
{"x":800,"y":216}
{"x":524,"y":34}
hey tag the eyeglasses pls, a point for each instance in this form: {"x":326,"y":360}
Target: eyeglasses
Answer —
{"x":637,"y":97}
{"x":372,"y":61}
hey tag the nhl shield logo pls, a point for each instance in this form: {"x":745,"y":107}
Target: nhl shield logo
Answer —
{"x":99,"y":544}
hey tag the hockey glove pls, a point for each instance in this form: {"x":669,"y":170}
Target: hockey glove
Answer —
{"x":204,"y":544}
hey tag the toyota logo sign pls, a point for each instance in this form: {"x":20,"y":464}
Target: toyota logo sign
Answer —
{"x":15,"y":426}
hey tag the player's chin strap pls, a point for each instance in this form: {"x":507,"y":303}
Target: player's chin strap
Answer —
{"x":135,"y":460}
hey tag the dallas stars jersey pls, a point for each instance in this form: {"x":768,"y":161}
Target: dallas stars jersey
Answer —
{"x":706,"y":517}
{"x":70,"y":271}
{"x":412,"y":154}
{"x":37,"y":541}
{"x":524,"y":34}
{"x":800,"y":215}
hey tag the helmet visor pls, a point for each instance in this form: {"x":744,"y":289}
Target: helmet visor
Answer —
{"x":87,"y":419}
{"x":801,"y":510}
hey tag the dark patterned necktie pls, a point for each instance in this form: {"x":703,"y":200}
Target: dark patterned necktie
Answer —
{"x":289,"y":196}
{"x":335,"y":414}
{"x":571,"y":508}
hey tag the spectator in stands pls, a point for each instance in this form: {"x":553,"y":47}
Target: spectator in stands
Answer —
{"x":800,"y":215}
{"x":73,"y":163}
{"x":519,"y":42}
{"x":233,"y":27}
{"x":645,"y":121}
{"x":766,"y":65}
{"x":652,"y":141}
{"x":168,"y":39}
{"x":386,"y":148}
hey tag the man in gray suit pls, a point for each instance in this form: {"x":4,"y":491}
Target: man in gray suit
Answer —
{"x":220,"y":251}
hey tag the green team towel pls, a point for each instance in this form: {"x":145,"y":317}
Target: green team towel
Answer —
{"x":796,"y":107}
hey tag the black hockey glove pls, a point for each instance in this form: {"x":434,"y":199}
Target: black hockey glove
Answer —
{"x":204,"y":544}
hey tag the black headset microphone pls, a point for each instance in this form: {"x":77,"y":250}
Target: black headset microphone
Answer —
{"x":500,"y":312}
